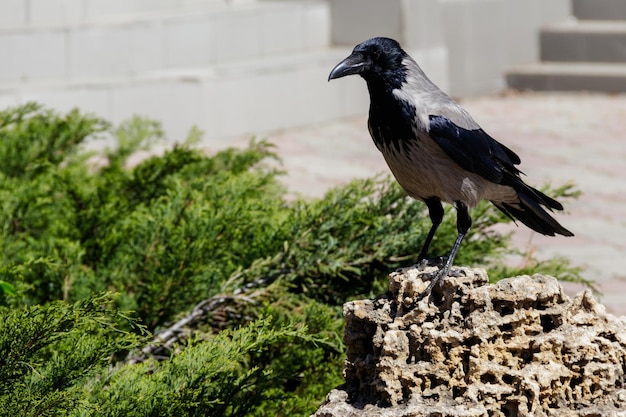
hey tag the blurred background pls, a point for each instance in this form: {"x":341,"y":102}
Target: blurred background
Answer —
{"x":250,"y":66}
{"x":544,"y":77}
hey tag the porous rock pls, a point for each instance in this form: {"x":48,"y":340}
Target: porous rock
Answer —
{"x":516,"y":348}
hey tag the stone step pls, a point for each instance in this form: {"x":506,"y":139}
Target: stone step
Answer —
{"x":132,"y":44}
{"x":223,"y":100}
{"x":599,"y":9}
{"x":228,"y":100}
{"x":553,"y":76}
{"x":584,"y":41}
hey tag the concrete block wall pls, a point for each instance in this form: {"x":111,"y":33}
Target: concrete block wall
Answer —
{"x":233,"y":68}
{"x":236,"y":67}
{"x":162,"y":41}
{"x":225,"y":101}
{"x":16,"y":13}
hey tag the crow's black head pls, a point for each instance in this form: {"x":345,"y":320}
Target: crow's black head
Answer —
{"x":376,"y":58}
{"x":382,"y":63}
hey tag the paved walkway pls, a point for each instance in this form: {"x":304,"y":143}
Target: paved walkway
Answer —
{"x":579,"y":138}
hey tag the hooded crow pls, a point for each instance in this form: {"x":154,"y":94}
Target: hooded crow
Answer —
{"x":436,"y":151}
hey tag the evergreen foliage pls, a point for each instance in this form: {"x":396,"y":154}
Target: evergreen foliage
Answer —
{"x":47,"y":350}
{"x":81,"y":242}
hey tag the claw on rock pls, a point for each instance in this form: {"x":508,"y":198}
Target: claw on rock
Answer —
{"x":438,"y":261}
{"x":437,"y":278}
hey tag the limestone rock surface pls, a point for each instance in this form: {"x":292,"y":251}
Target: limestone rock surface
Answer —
{"x":516,"y":348}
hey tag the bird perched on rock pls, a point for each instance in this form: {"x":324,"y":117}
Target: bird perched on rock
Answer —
{"x":436,"y":151}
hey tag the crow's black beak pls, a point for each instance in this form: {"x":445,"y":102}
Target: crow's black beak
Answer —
{"x":354,"y":64}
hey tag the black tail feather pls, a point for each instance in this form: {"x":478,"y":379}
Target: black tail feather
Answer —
{"x":543,"y":199}
{"x":535,"y":195}
{"x":528,"y":210}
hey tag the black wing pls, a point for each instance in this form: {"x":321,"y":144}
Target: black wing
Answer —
{"x":475,"y":151}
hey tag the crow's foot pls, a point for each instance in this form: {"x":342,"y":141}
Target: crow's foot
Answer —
{"x":456,"y":273}
{"x":436,"y":278}
{"x":438,"y":261}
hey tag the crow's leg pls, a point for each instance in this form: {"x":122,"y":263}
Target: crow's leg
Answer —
{"x":435,"y":211}
{"x":463,"y":224}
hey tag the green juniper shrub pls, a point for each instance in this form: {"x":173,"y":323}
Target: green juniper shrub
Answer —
{"x":48,"y":351}
{"x":257,"y":369}
{"x":169,"y":232}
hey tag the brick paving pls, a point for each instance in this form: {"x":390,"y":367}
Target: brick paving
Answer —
{"x":560,"y":137}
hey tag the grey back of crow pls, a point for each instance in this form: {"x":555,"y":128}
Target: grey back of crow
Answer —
{"x":435,"y":149}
